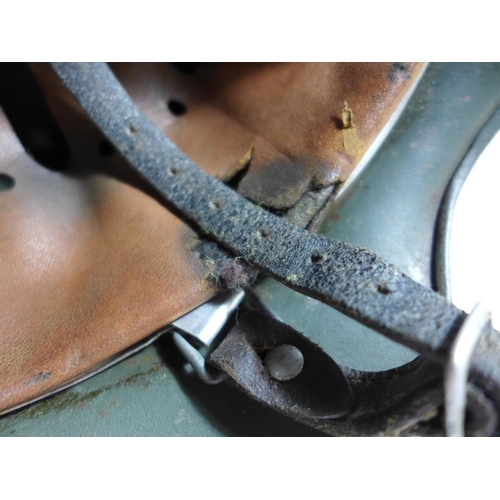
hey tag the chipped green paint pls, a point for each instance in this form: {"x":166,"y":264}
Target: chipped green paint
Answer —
{"x":70,"y":399}
{"x":153,"y":393}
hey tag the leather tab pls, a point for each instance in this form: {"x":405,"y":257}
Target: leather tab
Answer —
{"x":319,"y":391}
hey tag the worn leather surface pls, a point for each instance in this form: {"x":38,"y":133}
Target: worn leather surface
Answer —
{"x":405,"y":401}
{"x":319,"y":391}
{"x":91,"y":260}
{"x":306,"y":124}
{"x":90,"y":265}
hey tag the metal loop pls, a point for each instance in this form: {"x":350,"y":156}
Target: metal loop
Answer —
{"x":207,"y":374}
{"x":457,"y":368}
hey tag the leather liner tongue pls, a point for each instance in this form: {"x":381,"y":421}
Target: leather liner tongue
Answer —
{"x":319,"y":391}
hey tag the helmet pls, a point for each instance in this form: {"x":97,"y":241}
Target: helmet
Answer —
{"x":115,"y":238}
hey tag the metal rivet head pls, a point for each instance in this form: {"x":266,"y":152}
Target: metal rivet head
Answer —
{"x":284,"y":362}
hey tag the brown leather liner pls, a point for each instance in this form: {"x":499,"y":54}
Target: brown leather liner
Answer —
{"x":89,"y":266}
{"x":92,"y":262}
{"x":309,"y":123}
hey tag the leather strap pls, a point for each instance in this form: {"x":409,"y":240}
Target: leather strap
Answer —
{"x":404,"y":401}
{"x":353,"y":280}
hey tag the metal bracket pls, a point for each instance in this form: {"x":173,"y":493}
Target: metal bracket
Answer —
{"x":202,"y":325}
{"x":457,"y":368}
{"x":197,"y":361}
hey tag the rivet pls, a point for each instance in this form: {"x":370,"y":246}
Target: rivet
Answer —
{"x":284,"y":362}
